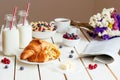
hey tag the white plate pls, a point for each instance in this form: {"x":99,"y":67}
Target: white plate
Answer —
{"x":28,"y":62}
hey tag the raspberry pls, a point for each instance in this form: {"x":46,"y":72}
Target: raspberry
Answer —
{"x":95,"y":66}
{"x":5,"y":61}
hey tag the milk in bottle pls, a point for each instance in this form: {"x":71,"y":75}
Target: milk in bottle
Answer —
{"x":25,"y":30}
{"x":10,"y":36}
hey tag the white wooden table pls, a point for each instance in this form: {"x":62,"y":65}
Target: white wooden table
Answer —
{"x":52,"y":71}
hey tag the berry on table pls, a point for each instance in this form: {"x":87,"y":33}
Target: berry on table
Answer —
{"x":6,"y":66}
{"x":91,"y":66}
{"x":95,"y":66}
{"x":70,"y":56}
{"x":21,"y":68}
{"x":5,"y":61}
{"x":60,"y":46}
{"x":72,"y":51}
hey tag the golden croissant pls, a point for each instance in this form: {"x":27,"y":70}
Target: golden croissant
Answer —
{"x":40,"y":51}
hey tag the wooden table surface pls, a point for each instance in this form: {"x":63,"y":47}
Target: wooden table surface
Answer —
{"x":52,"y":70}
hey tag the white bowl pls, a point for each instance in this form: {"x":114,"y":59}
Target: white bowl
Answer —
{"x":43,"y":35}
{"x":70,"y":43}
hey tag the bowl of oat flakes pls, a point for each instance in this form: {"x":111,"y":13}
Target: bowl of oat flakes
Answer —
{"x":42,"y":29}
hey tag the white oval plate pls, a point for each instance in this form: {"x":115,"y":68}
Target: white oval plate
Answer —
{"x":28,"y":62}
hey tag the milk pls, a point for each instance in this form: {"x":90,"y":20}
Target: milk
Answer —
{"x":10,"y":41}
{"x":25,"y":30}
{"x":25,"y":35}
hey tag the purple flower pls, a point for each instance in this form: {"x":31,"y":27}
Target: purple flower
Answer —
{"x":118,"y":18}
{"x":101,"y":20}
{"x":105,"y":37}
{"x":94,"y":35}
{"x":101,"y":30}
{"x":98,"y":31}
{"x":115,"y":26}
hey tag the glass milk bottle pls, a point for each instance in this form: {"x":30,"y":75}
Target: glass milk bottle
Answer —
{"x":10,"y":36}
{"x":25,"y":30}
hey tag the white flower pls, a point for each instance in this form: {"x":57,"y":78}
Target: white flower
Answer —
{"x":98,"y":16}
{"x":111,"y":21}
{"x":113,"y":32}
{"x":109,"y":31}
{"x":116,"y":32}
{"x":111,"y":9}
{"x":99,"y":34}
{"x":92,"y":24}
{"x":99,"y":24}
{"x":104,"y":22}
{"x":105,"y":32}
{"x":105,"y":13}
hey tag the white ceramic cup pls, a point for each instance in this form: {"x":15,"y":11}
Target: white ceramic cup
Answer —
{"x":62,"y":24}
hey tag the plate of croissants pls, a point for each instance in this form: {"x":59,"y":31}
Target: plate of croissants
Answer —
{"x":39,"y":52}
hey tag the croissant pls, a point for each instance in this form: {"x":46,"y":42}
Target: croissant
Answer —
{"x":40,"y":51}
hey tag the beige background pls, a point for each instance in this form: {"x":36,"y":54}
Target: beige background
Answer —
{"x":47,"y":10}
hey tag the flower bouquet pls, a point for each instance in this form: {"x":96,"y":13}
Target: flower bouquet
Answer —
{"x":105,"y":25}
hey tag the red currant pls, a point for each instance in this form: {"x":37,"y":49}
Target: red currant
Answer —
{"x":91,"y":67}
{"x":95,"y":66}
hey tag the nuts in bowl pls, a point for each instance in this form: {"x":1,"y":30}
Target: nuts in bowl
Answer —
{"x":42,"y":29}
{"x":70,"y":39}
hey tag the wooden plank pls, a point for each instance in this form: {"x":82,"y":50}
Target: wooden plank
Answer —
{"x":102,"y":68}
{"x":114,"y":68}
{"x":7,"y":74}
{"x":100,"y":73}
{"x":50,"y":71}
{"x":78,"y":72}
{"x":30,"y":71}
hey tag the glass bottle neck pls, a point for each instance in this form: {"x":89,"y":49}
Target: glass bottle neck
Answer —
{"x":23,"y":15}
{"x":22,"y":20}
{"x":10,"y":21}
